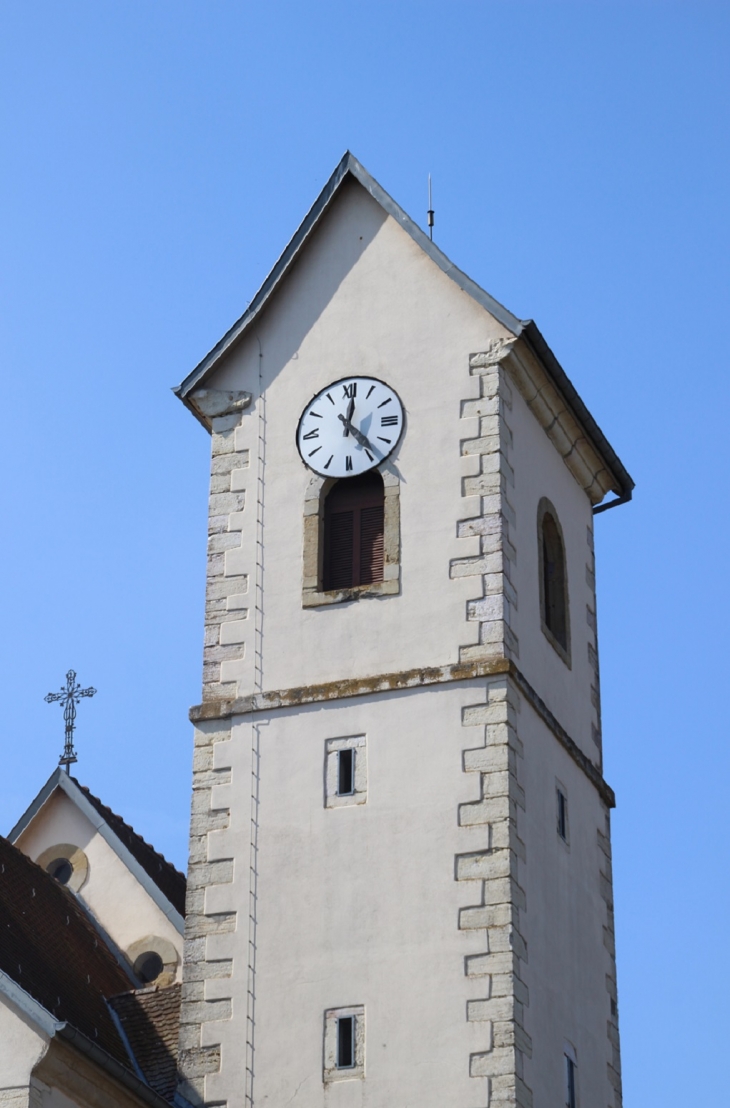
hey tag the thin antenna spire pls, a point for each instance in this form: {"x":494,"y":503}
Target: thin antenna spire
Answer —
{"x":69,"y":698}
{"x":430,"y":210}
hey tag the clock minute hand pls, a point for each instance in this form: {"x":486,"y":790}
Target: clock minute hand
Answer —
{"x":346,"y":420}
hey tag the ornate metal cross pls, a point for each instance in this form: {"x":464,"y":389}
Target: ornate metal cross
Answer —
{"x":69,"y":698}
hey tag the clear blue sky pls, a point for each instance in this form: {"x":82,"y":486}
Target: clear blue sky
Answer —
{"x":156,"y":158}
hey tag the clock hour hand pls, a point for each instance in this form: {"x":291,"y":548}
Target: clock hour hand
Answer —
{"x":357,"y":435}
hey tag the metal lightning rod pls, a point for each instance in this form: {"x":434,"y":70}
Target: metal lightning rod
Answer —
{"x":430,"y":210}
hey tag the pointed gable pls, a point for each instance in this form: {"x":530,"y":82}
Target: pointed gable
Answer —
{"x":545,"y":385}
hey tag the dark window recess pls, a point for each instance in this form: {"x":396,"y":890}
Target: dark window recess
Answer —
{"x":61,"y":869}
{"x":354,"y":514}
{"x":148,"y":966}
{"x":555,"y":607}
{"x":562,"y":815}
{"x":570,"y":1076}
{"x":345,"y":1042}
{"x":345,"y":772}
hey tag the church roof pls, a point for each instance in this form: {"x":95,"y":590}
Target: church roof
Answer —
{"x":527,"y":330}
{"x":51,"y":949}
{"x":168,"y":880}
{"x":162,"y":881}
{"x":151,"y":1021}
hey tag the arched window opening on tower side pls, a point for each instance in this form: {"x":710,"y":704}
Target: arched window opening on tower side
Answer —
{"x":354,"y":514}
{"x":553,"y":580}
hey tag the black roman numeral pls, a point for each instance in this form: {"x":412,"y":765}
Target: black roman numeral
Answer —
{"x":388,"y":420}
{"x":350,"y":390}
{"x":312,"y":434}
{"x":348,"y":462}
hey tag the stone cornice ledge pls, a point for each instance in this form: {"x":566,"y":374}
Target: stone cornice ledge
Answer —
{"x":405,"y":679}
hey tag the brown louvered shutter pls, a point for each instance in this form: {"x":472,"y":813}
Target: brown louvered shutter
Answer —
{"x":371,"y":544}
{"x":353,"y":532}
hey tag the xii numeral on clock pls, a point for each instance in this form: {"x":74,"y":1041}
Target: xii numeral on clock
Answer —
{"x":350,"y":391}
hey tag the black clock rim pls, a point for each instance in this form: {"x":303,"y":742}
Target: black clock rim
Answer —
{"x":331,"y":385}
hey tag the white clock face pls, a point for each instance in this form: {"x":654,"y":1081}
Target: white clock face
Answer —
{"x":350,"y":427}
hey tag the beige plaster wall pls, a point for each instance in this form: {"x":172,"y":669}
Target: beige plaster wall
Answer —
{"x":363,"y":299}
{"x":21,"y":1048}
{"x":125,"y":910}
{"x":540,"y":471}
{"x":569,"y":972}
{"x":357,"y":905}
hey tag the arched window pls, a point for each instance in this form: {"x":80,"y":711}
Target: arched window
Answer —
{"x":353,"y":532}
{"x":553,"y":579}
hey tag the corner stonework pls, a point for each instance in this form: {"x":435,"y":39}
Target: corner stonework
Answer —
{"x":228,"y":630}
{"x":497,"y":972}
{"x":209,"y":923}
{"x":495,"y":602}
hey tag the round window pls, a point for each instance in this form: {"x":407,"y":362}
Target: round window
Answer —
{"x":148,"y":966}
{"x":61,"y":869}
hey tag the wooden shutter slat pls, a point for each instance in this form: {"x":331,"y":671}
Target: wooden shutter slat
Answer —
{"x":372,"y":550}
{"x":340,"y":550}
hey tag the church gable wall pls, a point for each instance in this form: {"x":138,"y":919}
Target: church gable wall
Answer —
{"x":124,"y":909}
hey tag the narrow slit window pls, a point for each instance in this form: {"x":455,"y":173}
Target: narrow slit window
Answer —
{"x":345,"y":772}
{"x":553,"y":573}
{"x":354,"y":532}
{"x":571,"y":1101}
{"x":345,"y":1042}
{"x":562,"y":815}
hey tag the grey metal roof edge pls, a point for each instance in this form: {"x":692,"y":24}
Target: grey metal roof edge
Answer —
{"x":115,"y":1069}
{"x":532,"y":335}
{"x":50,"y":1026}
{"x":347,"y":165}
{"x":28,"y":1005}
{"x":76,"y":795}
{"x":62,"y":780}
{"x":35,"y":806}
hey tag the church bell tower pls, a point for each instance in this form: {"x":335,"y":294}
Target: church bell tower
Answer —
{"x":399,"y":888}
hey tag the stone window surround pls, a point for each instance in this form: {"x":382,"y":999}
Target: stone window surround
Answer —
{"x":332,"y":747}
{"x":75,"y":856}
{"x":313,"y":596}
{"x":546,"y":507}
{"x":330,"y":1070}
{"x":560,"y":788}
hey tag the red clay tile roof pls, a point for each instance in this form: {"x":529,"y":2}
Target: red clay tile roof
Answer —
{"x":169,"y":881}
{"x":151,"y":1018}
{"x":53,"y":951}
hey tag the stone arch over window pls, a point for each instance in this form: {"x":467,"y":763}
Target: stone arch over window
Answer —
{"x":154,"y":960}
{"x":66,"y":863}
{"x":351,"y":538}
{"x":553,"y":574}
